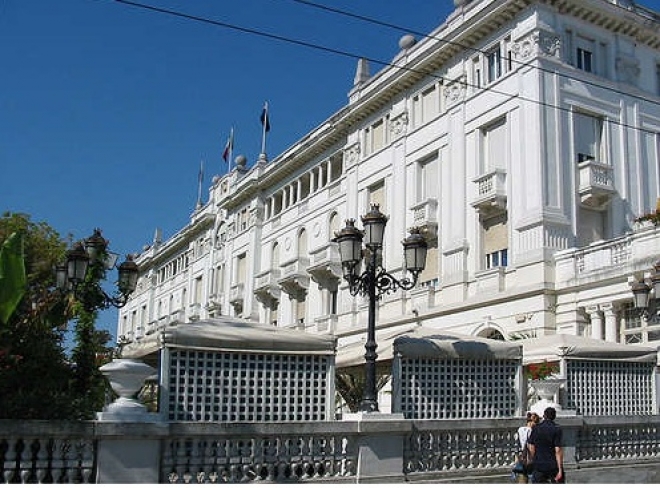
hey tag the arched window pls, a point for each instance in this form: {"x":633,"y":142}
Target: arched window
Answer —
{"x":491,"y":333}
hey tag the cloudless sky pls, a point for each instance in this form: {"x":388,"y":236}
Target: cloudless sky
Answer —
{"x":107,"y":109}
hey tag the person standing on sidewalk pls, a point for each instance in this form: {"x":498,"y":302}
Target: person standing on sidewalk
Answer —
{"x":525,"y":457}
{"x":545,"y":446}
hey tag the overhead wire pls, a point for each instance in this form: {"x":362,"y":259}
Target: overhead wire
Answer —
{"x":509,"y":59}
{"x":289,"y":40}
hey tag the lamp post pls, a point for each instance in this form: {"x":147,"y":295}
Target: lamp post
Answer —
{"x":375,"y":281}
{"x":92,"y":256}
{"x":642,"y":302}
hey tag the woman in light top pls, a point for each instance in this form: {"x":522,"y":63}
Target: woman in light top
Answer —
{"x":522,"y":475}
{"x":524,"y":431}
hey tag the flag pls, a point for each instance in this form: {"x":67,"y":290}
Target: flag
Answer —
{"x":264,"y":118}
{"x":12,"y":276}
{"x":229,"y":146}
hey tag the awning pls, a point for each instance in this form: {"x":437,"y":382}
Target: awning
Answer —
{"x":230,"y":334}
{"x":424,"y":342}
{"x":554,"y":347}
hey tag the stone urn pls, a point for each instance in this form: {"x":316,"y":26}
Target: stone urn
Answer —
{"x":547,"y":390}
{"x":126,"y":377}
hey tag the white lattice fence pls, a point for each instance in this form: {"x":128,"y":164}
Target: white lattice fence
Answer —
{"x":610,"y":387}
{"x":247,"y":387}
{"x":457,"y":388}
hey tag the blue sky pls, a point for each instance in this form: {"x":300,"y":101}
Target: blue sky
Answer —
{"x":106,"y":109}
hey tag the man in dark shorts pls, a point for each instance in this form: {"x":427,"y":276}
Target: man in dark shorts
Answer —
{"x":545,"y":447}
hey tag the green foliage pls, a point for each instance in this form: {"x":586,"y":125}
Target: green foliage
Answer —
{"x":12,"y":275}
{"x":37,"y":379}
{"x":351,"y":385}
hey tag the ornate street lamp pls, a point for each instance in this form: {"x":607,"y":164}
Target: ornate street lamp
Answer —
{"x":375,"y":281}
{"x":642,"y":301}
{"x":92,"y":256}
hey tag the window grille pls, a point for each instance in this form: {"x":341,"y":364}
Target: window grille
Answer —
{"x":610,"y":388}
{"x":247,"y":387}
{"x":457,"y":388}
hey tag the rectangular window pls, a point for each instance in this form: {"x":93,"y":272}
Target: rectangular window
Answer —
{"x":220,"y":279}
{"x":427,"y":178}
{"x":375,"y":136}
{"x":378,"y":136}
{"x":497,"y":259}
{"x":585,"y":60}
{"x":588,"y":137}
{"x":494,"y":64}
{"x":584,"y":54}
{"x":496,"y":241}
{"x":300,"y":312}
{"x":197,"y":290}
{"x":333,"y":302}
{"x":377,"y":196}
{"x":493,"y":146}
{"x":273,"y":311}
{"x":430,"y":103}
{"x":430,"y":274}
{"x":241,"y":269}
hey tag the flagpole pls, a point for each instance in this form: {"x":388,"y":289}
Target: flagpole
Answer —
{"x":231,"y":147}
{"x":199,"y":183}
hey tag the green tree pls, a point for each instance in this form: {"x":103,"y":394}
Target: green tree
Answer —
{"x":34,"y":370}
{"x":37,"y":378}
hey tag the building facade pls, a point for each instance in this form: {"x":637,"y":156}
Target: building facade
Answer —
{"x":521,"y":136}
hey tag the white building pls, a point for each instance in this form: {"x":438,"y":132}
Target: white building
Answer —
{"x":521,"y":135}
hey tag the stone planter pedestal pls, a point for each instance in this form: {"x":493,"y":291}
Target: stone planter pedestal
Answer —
{"x":547,"y":390}
{"x":126,"y":376}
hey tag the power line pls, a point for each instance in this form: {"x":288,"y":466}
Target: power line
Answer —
{"x":327,"y":49}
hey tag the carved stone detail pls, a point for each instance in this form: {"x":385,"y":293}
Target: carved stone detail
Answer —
{"x":537,"y":43}
{"x":352,"y":154}
{"x":454,"y":90}
{"x":398,"y":124}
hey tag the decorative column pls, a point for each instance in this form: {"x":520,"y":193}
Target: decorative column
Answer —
{"x":596,"y":321}
{"x":609,"y":311}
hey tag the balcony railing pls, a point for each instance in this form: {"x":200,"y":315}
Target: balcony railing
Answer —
{"x":236,"y":293}
{"x":491,"y":193}
{"x":266,"y":288}
{"x":628,"y":254}
{"x":325,"y":267}
{"x":425,"y":217}
{"x":596,"y":183}
{"x":295,"y":279}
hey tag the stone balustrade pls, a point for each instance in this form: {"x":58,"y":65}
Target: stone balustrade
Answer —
{"x":369,"y":448}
